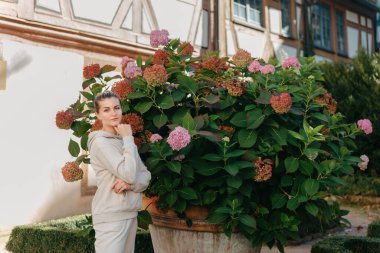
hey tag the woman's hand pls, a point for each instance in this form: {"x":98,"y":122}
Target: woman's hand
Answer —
{"x":120,"y":186}
{"x":124,"y":130}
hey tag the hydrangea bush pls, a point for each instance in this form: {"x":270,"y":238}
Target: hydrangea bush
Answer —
{"x":256,"y":143}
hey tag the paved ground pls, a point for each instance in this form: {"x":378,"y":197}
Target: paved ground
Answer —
{"x":359,"y":217}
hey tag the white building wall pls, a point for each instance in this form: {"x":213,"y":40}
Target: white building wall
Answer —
{"x":40,"y":81}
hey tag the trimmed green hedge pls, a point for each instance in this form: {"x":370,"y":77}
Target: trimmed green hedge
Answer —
{"x":374,"y":229}
{"x":358,"y":185}
{"x":59,"y":236}
{"x":347,"y":244}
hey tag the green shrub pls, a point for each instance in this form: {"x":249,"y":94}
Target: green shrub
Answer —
{"x":374,"y":229}
{"x":358,"y":185}
{"x":347,"y":244}
{"x":59,"y":236}
{"x":356,"y":87}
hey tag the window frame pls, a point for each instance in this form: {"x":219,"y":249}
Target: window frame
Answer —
{"x":246,"y":20}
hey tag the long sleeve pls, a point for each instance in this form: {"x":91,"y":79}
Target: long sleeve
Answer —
{"x":143,"y":177}
{"x":123,"y":166}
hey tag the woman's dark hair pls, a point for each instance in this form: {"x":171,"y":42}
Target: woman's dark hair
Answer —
{"x":104,"y":95}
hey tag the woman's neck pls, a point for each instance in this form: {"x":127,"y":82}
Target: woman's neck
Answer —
{"x":109,"y":129}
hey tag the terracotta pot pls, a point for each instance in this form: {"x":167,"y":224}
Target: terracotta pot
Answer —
{"x":171,"y":234}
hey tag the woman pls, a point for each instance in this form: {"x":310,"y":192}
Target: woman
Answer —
{"x":121,"y":177}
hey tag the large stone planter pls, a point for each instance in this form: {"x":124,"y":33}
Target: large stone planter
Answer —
{"x":171,"y":234}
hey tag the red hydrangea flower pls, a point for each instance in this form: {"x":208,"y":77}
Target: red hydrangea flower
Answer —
{"x":160,"y":57}
{"x":281,"y":103}
{"x":263,"y":169}
{"x":242,"y":58}
{"x":91,"y":71}
{"x":136,"y":122}
{"x":97,"y":125}
{"x":122,"y":89}
{"x":64,"y":119}
{"x":71,"y":172}
{"x":187,"y":50}
{"x":155,"y":75}
{"x":215,"y":64}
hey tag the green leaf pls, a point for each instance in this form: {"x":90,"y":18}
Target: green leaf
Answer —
{"x":87,"y":83}
{"x":143,"y":106}
{"x":136,"y":94}
{"x":232,"y":169}
{"x":178,"y":116}
{"x":278,"y":200}
{"x":292,"y":204}
{"x":188,"y":122}
{"x":217,"y":218}
{"x":74,"y":148}
{"x":160,"y":120}
{"x":235,"y":153}
{"x":212,"y":157}
{"x":311,"y":153}
{"x":175,"y":166}
{"x":207,"y":170}
{"x":255,"y":118}
{"x":291,"y":164}
{"x":187,"y":84}
{"x":264,"y":98}
{"x":107,"y":68}
{"x":139,"y":61}
{"x":166,"y":102}
{"x":87,"y":95}
{"x":80,"y":128}
{"x":247,"y":138}
{"x":239,"y":119}
{"x":248,"y":220}
{"x":311,"y":186}
{"x":83,"y":142}
{"x":312,"y":209}
{"x":187,"y":193}
{"x":297,"y":135}
{"x":208,"y":197}
{"x":279,"y":135}
{"x":171,"y":198}
{"x":286,"y":181}
{"x":234,"y":182}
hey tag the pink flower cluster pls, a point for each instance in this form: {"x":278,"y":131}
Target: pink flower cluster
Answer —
{"x":254,"y":67}
{"x":159,"y":37}
{"x":155,"y":138}
{"x":267,"y":69}
{"x":132,"y":71}
{"x":291,"y":62}
{"x":365,"y":125}
{"x":364,"y":163}
{"x":155,"y":75}
{"x":125,"y":60}
{"x":281,"y":103}
{"x":179,"y":138}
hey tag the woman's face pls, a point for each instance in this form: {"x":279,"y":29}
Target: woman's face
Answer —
{"x":109,"y":112}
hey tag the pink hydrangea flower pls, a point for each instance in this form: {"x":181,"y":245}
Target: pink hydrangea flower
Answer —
{"x":155,"y":138}
{"x":267,"y":69}
{"x":132,"y":70}
{"x":125,"y":60}
{"x":365,"y":125}
{"x":179,"y":138}
{"x":159,"y":37}
{"x":254,"y":67}
{"x":291,"y":62}
{"x":364,"y":163}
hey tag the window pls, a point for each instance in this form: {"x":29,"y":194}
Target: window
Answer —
{"x":286,"y":18}
{"x":320,"y":23}
{"x":249,"y":10}
{"x":340,"y":32}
